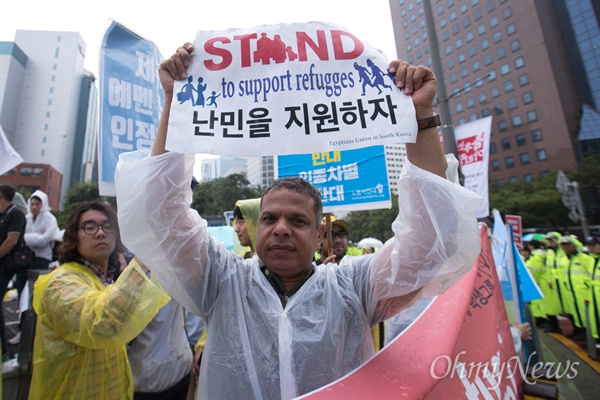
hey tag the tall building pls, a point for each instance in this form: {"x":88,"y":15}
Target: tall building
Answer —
{"x":261,"y":171}
{"x":508,"y":59}
{"x":581,"y":30}
{"x":34,"y":177}
{"x":395,"y":155}
{"x":48,"y":102}
{"x":213,"y":168}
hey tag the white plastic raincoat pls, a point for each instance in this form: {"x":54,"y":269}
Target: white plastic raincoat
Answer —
{"x":41,"y":232}
{"x":82,"y":329}
{"x":255,"y":347}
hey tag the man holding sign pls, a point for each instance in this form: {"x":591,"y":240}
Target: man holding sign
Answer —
{"x":278,"y":327}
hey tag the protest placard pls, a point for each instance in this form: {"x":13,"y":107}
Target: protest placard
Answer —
{"x":286,"y":89}
{"x":349,"y":180}
{"x":131,"y":98}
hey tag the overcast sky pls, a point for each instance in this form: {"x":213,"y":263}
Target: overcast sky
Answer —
{"x":170,"y":23}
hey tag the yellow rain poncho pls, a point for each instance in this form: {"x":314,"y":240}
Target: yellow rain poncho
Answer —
{"x":250,"y":209}
{"x":82,"y":329}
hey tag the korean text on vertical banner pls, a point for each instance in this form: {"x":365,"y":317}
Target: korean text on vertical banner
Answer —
{"x":131,"y":99}
{"x":458,"y":347}
{"x":473,"y":146}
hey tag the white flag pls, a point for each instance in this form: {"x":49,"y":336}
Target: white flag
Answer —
{"x":473,"y":145}
{"x":9,"y":158}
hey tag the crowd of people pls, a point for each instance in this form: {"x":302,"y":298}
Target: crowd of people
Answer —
{"x":567,"y":271}
{"x":34,"y":226}
{"x":276,"y":324}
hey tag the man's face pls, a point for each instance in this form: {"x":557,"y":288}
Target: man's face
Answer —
{"x":35,"y":206}
{"x":287,"y":233}
{"x":242,"y":232}
{"x":339,"y":241}
{"x":525,"y":253}
{"x":594,"y":248}
{"x":552,"y":243}
{"x":568,"y":248}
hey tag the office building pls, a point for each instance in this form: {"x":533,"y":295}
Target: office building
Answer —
{"x":213,"y":168}
{"x":48,"y":102}
{"x":36,"y":176}
{"x":395,"y":155}
{"x":261,"y":171}
{"x":511,"y":60}
{"x":581,"y":33}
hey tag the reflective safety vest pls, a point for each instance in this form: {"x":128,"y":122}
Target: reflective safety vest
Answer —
{"x":595,"y":302}
{"x":536,"y":264}
{"x":575,"y":284}
{"x":550,"y":286}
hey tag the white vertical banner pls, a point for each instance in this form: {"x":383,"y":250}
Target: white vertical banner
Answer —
{"x":9,"y":158}
{"x":473,"y":145}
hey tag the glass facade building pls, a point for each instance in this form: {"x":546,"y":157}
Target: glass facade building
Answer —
{"x":507,"y":59}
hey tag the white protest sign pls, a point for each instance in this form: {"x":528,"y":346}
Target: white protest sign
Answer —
{"x":287,"y":89}
{"x":9,"y":158}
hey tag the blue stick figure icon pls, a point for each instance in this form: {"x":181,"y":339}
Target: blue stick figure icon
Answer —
{"x":187,"y":91}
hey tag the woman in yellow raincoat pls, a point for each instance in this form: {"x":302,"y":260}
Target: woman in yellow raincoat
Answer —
{"x":84,"y":318}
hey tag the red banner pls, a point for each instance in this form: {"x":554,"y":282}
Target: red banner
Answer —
{"x":517,"y":228}
{"x":459,"y":347}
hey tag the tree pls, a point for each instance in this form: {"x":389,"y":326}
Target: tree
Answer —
{"x":539,"y":203}
{"x":81,"y":192}
{"x":588,"y":177}
{"x":372,"y":223}
{"x":219,"y":195}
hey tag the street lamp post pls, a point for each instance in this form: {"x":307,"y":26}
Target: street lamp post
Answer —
{"x":436,"y":63}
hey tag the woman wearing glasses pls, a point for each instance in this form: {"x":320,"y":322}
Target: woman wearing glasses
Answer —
{"x":84,"y":318}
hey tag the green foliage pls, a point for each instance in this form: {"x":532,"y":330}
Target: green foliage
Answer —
{"x":539,"y":203}
{"x":588,"y":177}
{"x":372,"y":223}
{"x":588,"y":172}
{"x":219,"y":195}
{"x":81,"y":192}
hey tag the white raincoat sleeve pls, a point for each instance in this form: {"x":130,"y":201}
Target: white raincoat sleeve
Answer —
{"x":157,"y":224}
{"x":436,"y":241}
{"x":436,"y":233}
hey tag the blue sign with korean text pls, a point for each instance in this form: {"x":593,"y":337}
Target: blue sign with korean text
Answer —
{"x":131,"y":99}
{"x":349,"y":180}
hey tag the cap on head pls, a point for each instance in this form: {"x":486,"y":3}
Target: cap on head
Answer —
{"x":553,"y":236}
{"x":566,"y":240}
{"x":590,"y":240}
{"x":336,"y":221}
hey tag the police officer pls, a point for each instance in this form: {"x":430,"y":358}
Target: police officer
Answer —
{"x":575,"y":283}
